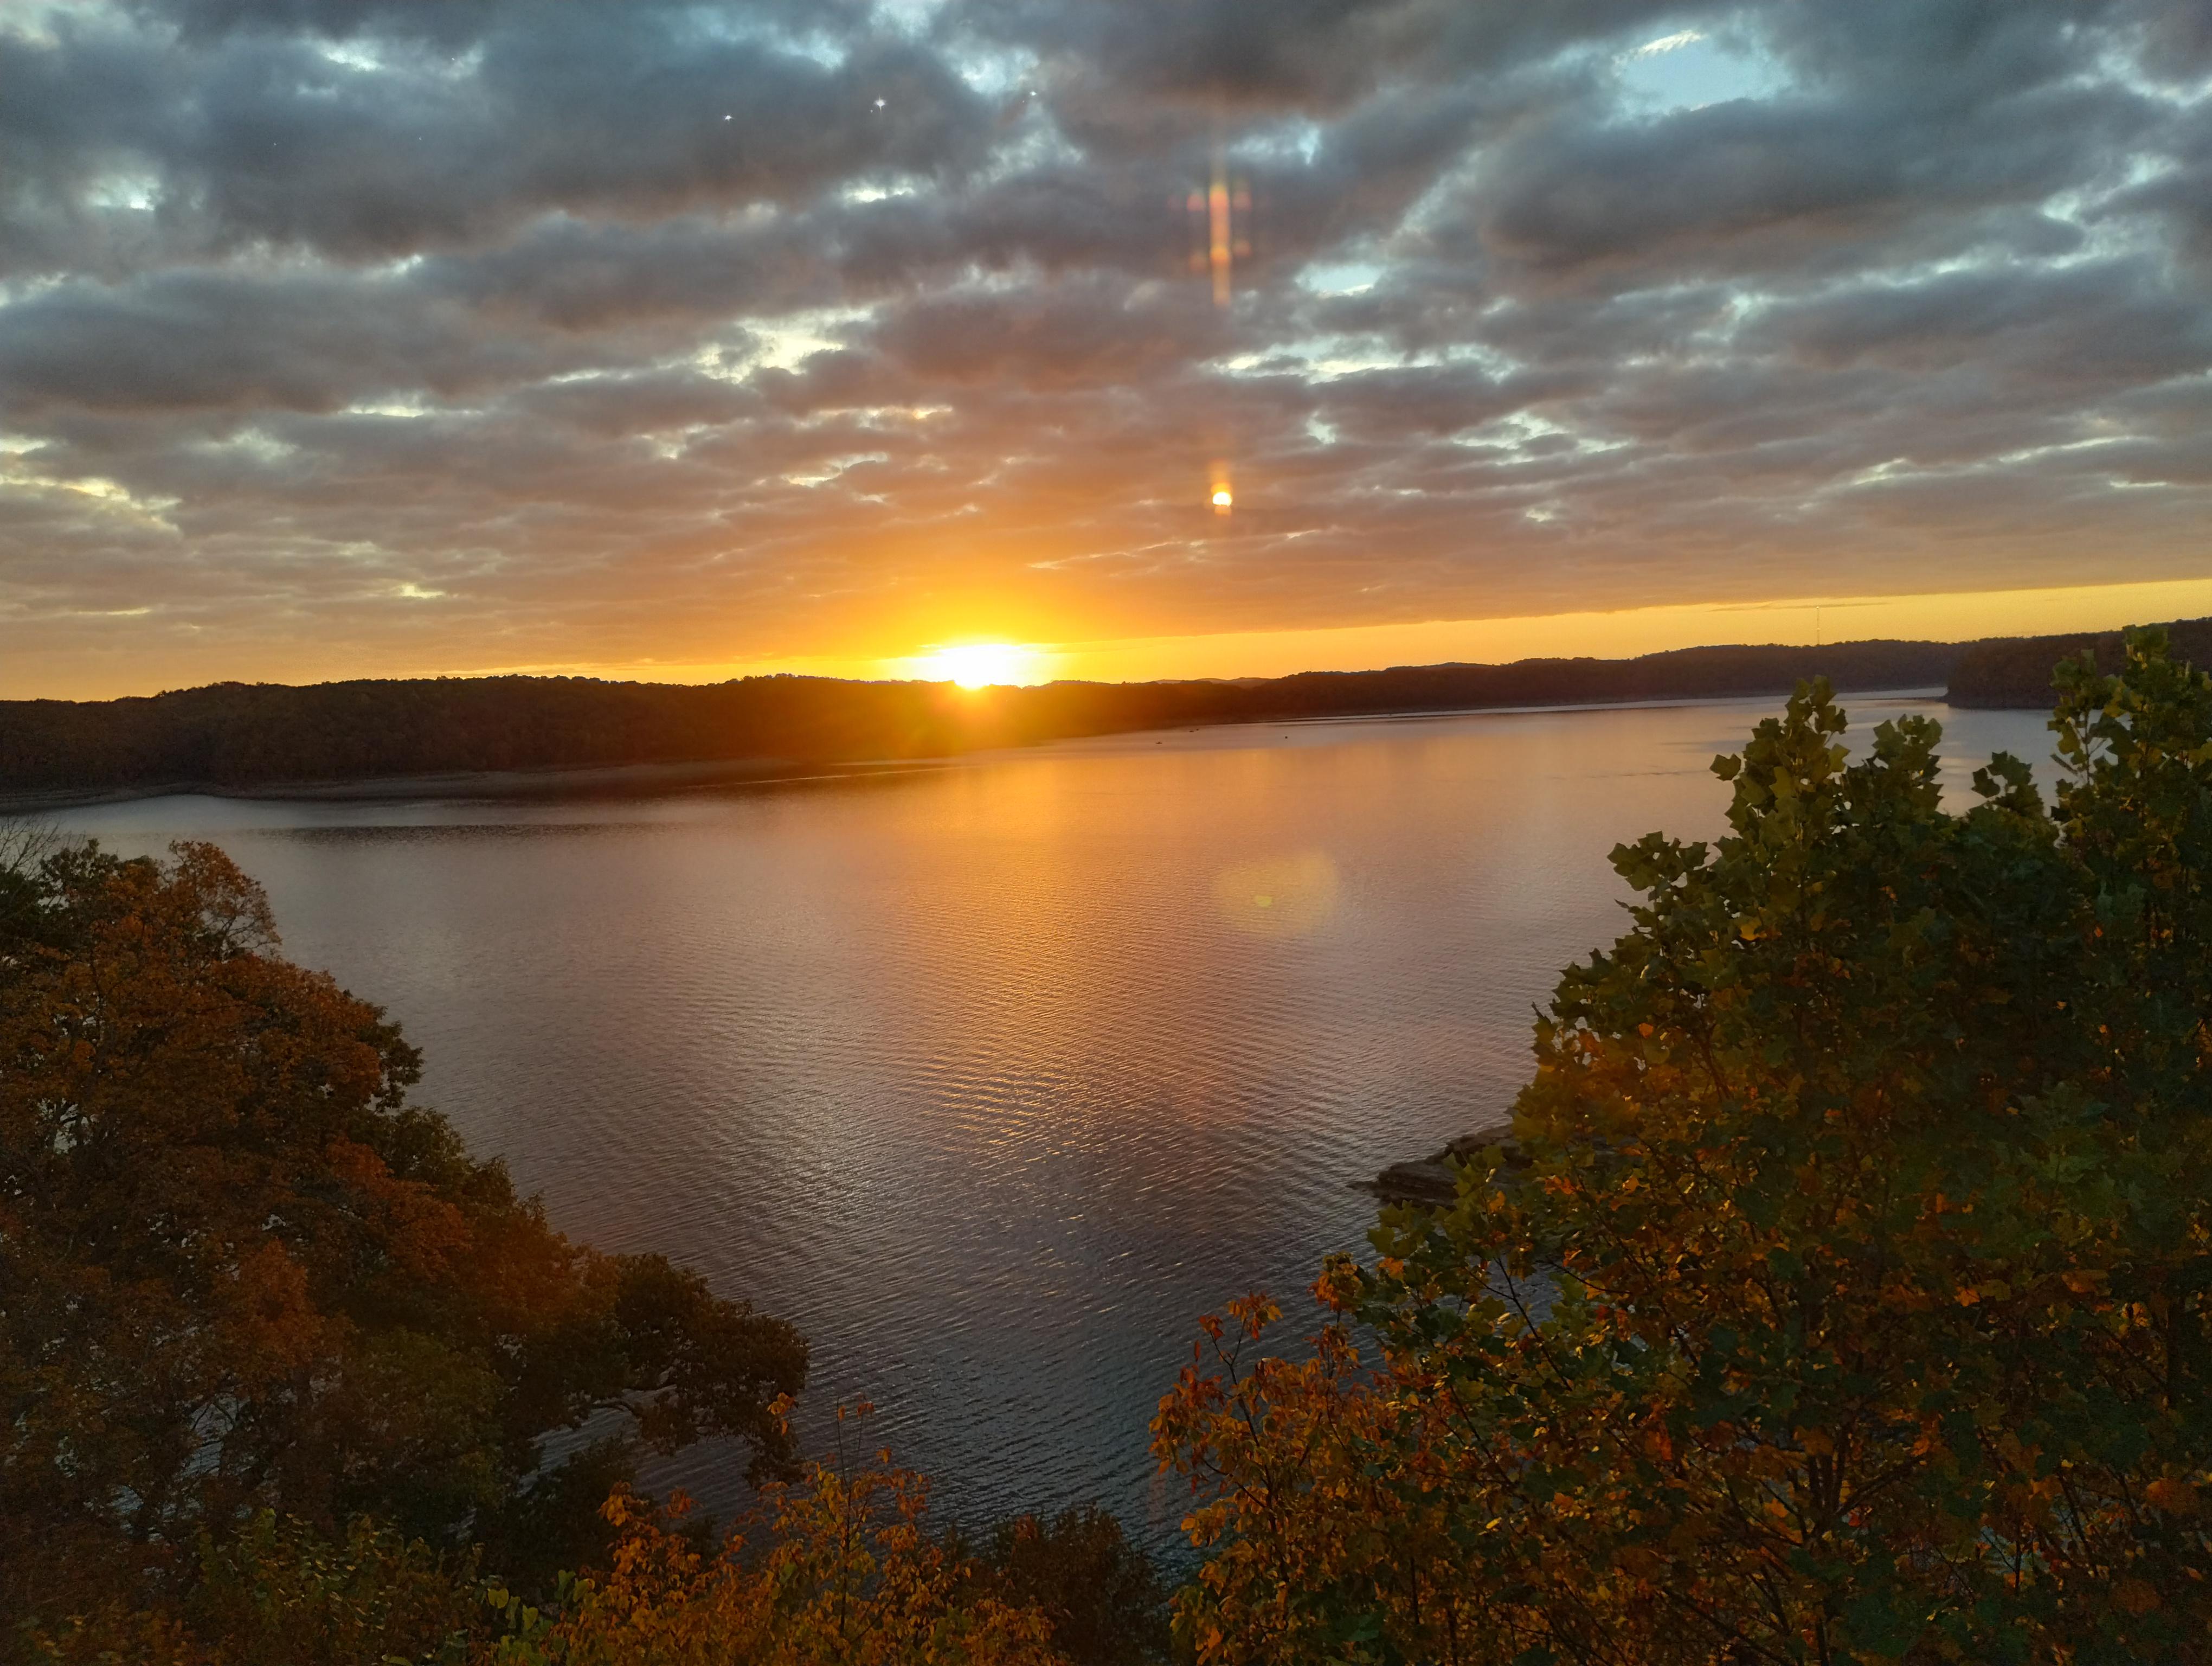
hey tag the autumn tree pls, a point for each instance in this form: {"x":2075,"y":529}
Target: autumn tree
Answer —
{"x":1100,"y":1593}
{"x":842,"y":1569}
{"x":1851,"y":1302}
{"x":240,"y":1272}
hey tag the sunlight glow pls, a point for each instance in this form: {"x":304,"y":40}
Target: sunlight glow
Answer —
{"x":978,"y":664}
{"x":1949,"y":616}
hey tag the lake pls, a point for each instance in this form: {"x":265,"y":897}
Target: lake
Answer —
{"x":993,"y":1077}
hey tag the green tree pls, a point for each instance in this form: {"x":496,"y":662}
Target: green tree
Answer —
{"x":1851,"y":1302}
{"x":239,"y":1272}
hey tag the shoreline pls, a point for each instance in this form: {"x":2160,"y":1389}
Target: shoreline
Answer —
{"x":613,"y":780}
{"x":553,"y":783}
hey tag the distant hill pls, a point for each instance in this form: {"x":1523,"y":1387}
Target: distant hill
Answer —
{"x":2016,"y":672}
{"x":242,"y":738}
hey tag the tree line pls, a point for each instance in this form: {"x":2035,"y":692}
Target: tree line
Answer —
{"x":236,"y":736}
{"x":2017,"y":671}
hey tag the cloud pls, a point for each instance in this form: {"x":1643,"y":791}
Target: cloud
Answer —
{"x":448,"y":333}
{"x":1667,"y":43}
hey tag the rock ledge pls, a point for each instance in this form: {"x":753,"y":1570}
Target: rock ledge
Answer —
{"x":1433,"y":1182}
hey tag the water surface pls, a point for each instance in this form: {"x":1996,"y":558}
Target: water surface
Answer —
{"x":993,"y":1078}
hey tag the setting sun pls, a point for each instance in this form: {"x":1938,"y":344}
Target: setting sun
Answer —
{"x":978,"y":664}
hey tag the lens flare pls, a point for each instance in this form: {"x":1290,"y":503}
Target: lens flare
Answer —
{"x":1292,"y":895}
{"x":1220,"y":215}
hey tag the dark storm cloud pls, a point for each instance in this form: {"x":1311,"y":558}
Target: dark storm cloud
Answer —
{"x":537,"y":330}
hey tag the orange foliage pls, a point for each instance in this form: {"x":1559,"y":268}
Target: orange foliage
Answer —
{"x":847,"y":1574}
{"x":241,"y":1273}
{"x":1852,"y":1297}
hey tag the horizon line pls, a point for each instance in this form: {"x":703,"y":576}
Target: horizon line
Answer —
{"x":1947,"y":616}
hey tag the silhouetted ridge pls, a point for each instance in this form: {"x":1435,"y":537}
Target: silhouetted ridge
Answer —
{"x":237,"y":736}
{"x":2016,"y":672}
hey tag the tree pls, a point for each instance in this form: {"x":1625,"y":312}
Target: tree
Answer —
{"x":845,"y":1572}
{"x":1098,"y":1591}
{"x":276,"y":1593}
{"x":1851,"y":1304}
{"x":239,"y":1272}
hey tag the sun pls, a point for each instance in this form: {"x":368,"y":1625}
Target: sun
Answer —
{"x":977,"y":665}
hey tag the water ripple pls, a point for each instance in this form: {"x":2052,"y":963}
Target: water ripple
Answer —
{"x":993,"y":1077}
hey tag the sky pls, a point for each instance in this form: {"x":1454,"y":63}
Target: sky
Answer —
{"x":1154,"y":337}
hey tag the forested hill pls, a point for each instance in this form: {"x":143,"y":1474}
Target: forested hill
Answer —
{"x":236,"y":737}
{"x":2015,"y":670}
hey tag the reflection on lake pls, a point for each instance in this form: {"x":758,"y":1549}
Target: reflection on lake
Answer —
{"x":993,"y":1078}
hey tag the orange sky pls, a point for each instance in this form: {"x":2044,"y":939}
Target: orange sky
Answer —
{"x":1949,"y":616}
{"x":1505,"y":330}
{"x":1955,"y":616}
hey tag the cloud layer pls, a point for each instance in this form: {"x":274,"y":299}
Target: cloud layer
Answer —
{"x":346,"y":334}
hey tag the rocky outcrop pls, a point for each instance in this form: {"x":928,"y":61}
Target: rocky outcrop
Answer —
{"x":1433,"y":1182}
